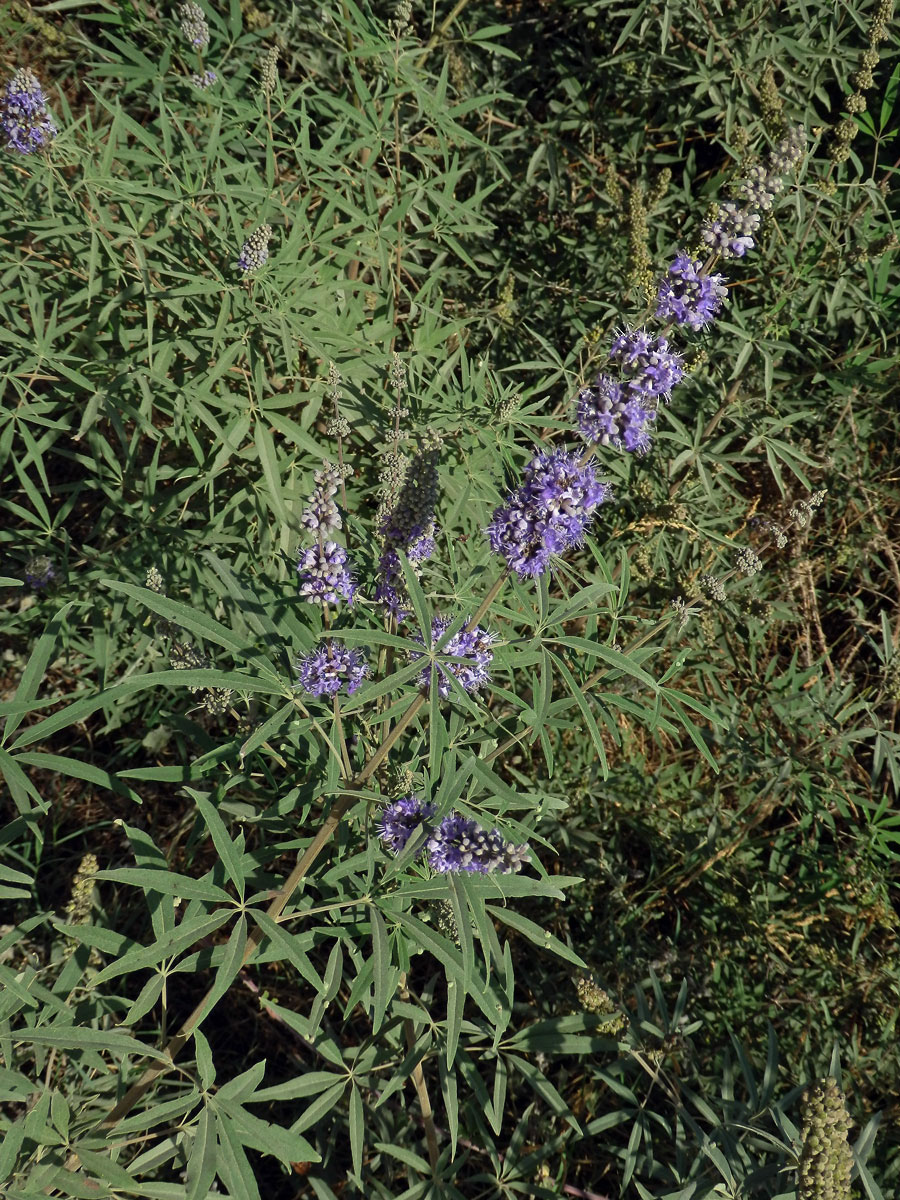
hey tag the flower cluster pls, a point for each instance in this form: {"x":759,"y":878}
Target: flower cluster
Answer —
{"x":472,"y":645}
{"x":619,"y":411}
{"x":325,"y":576}
{"x":688,"y":295}
{"x":649,"y":368}
{"x":193,"y":25}
{"x":203,"y":80}
{"x":24,"y":118}
{"x":331,"y":667}
{"x":400,"y":820}
{"x":39,"y":571}
{"x":255,"y":251}
{"x":548,"y":513}
{"x":620,"y":407}
{"x":457,"y":844}
{"x":608,"y":415}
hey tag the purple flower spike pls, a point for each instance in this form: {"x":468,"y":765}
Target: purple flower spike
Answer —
{"x":688,"y":295}
{"x":400,"y":820}
{"x":458,"y":844}
{"x":474,"y":646}
{"x":324,"y":574}
{"x":328,"y":669}
{"x":24,"y":118}
{"x":548,"y":513}
{"x":608,"y":416}
{"x":650,"y":368}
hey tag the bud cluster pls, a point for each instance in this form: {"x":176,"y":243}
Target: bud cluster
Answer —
{"x":321,"y":515}
{"x":593,"y":999}
{"x":862,"y":80}
{"x":749,"y":562}
{"x":730,"y":230}
{"x":255,"y":251}
{"x":268,"y":70}
{"x":193,"y":25}
{"x":826,"y":1159}
{"x":78,"y":908}
{"x":185,"y":657}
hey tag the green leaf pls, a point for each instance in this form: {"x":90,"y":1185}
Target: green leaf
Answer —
{"x":228,"y":852}
{"x":357,"y":1129}
{"x":384,"y":976}
{"x":180,"y":614}
{"x":228,"y":969}
{"x":201,"y":1164}
{"x":282,"y":1144}
{"x":292,"y":945}
{"x":36,"y":667}
{"x":537,"y":935}
{"x":169,"y":945}
{"x":76,"y":1037}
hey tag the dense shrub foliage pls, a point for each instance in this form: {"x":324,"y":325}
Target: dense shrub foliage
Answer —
{"x":450,"y":600}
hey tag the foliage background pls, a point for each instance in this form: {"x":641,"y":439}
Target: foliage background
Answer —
{"x":478,"y":192}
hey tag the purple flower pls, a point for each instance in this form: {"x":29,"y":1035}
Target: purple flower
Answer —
{"x":458,"y":844}
{"x":39,"y":571}
{"x":24,"y":118}
{"x":688,"y":294}
{"x":548,"y":513}
{"x":255,"y":251}
{"x":329,"y":668}
{"x":400,"y":820}
{"x":649,"y":367}
{"x":730,"y":231}
{"x":203,"y":80}
{"x":475,"y":646}
{"x":608,"y":416}
{"x":324,"y":574}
